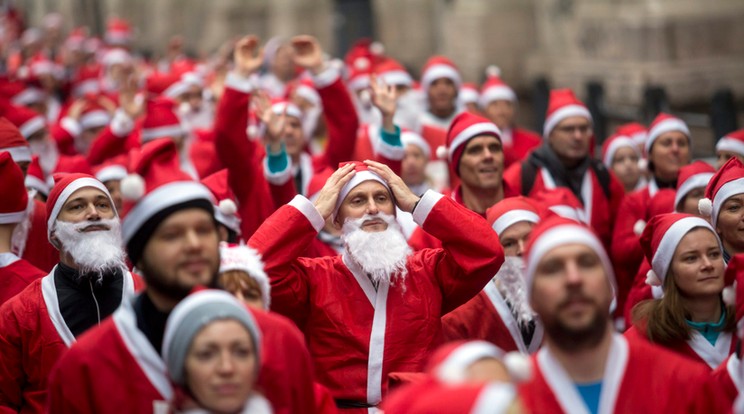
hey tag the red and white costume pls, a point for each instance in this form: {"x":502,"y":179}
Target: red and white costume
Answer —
{"x":15,"y":275}
{"x":358,"y":334}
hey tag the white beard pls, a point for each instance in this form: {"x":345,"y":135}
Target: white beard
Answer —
{"x":98,"y":252}
{"x":48,"y":154}
{"x":20,"y":233}
{"x":382,"y":255}
{"x":511,"y":283}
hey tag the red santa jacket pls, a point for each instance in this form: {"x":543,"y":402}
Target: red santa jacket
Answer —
{"x":639,"y":378}
{"x":488,"y":317}
{"x":15,"y":275}
{"x":356,"y":334}
{"x":599,"y":210}
{"x":38,"y":251}
{"x":697,"y":348}
{"x":33,"y":336}
{"x":113,"y":368}
{"x":639,"y":291}
{"x":519,"y":145}
{"x":728,"y":381}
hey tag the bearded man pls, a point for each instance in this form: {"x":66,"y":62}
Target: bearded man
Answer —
{"x":376,"y":308}
{"x":87,"y":285}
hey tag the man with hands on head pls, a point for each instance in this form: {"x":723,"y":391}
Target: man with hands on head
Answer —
{"x":376,"y":308}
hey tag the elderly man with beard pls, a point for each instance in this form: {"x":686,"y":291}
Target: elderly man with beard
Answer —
{"x":376,"y":308}
{"x":585,"y":366}
{"x":89,"y":283}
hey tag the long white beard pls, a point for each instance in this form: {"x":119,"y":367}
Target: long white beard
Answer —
{"x":511,"y":283}
{"x":20,"y":233}
{"x":98,"y":252}
{"x":382,"y":255}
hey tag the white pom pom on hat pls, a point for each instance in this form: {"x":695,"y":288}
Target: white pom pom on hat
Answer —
{"x":132,"y":187}
{"x":729,"y":295}
{"x":705,"y":206}
{"x":518,"y":365}
{"x":228,"y":207}
{"x":493,"y":70}
{"x":638,"y":227}
{"x":377,"y":48}
{"x":652,"y":279}
{"x":442,"y":152}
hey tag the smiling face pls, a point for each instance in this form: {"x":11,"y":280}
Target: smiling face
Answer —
{"x":221,"y":366}
{"x":369,"y":197}
{"x":697,"y":265}
{"x":482,"y":163}
{"x":730,"y":224}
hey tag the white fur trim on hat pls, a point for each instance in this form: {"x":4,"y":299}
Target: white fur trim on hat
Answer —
{"x":18,"y":154}
{"x":440,"y":71}
{"x":730,"y":144}
{"x":68,"y":191}
{"x":562,"y":235}
{"x":726,"y":191}
{"x":396,"y":77}
{"x":615,"y":145}
{"x":667,"y":125}
{"x":32,"y":126}
{"x":512,"y":217}
{"x":695,"y":181}
{"x":495,"y":398}
{"x":412,"y":138}
{"x":247,"y":260}
{"x":95,"y":119}
{"x":496,"y":93}
{"x":671,"y":239}
{"x":162,"y":197}
{"x":37,"y":184}
{"x":291,"y":109}
{"x":565,"y":112}
{"x":112,"y":172}
{"x":309,"y":94}
{"x":453,"y":369}
{"x":359,"y":82}
{"x":358,"y":178}
{"x":149,"y":134}
{"x":29,"y":96}
{"x":652,"y":279}
{"x":481,"y":128}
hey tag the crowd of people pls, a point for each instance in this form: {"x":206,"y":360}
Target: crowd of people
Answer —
{"x":270,"y":229}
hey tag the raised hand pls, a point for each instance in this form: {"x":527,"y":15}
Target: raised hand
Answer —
{"x":274,"y":123}
{"x":128,"y":97}
{"x":328,"y":195}
{"x":247,"y":56}
{"x":77,"y":108}
{"x":404,"y":197}
{"x":384,"y":98}
{"x":308,"y":53}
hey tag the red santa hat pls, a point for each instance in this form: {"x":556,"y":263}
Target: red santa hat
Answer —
{"x":94,"y":115}
{"x":733,"y":293}
{"x":360,"y":60}
{"x":27,"y":121}
{"x":40,"y":65}
{"x":561,"y":105}
{"x":116,"y":56}
{"x":161,"y":120}
{"x":363,"y":173}
{"x":555,"y":231}
{"x":248,"y":260}
{"x":450,"y":363}
{"x":359,"y":71}
{"x":412,"y":138}
{"x":305,"y":89}
{"x":636,"y":131}
{"x":392,"y":73}
{"x":86,"y":81}
{"x":23,"y":93}
{"x":563,"y":202}
{"x":725,"y":183}
{"x":283,"y":106}
{"x":118,"y":32}
{"x":15,"y":199}
{"x":438,"y":67}
{"x":468,"y":93}
{"x":660,"y":239}
{"x":692,"y":176}
{"x":64,"y":186}
{"x":662,"y":124}
{"x":495,"y":89}
{"x":463,"y":128}
{"x":12,"y":142}
{"x":113,"y":169}
{"x":182,"y":84}
{"x":317,"y":182}
{"x":35,"y":179}
{"x":510,"y":211}
{"x":732,"y":142}
{"x":76,"y":39}
{"x":614,"y":143}
{"x":226,"y":209}
{"x":155,"y":189}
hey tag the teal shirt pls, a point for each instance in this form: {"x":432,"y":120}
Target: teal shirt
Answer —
{"x":709,"y":330}
{"x":279,"y":161}
{"x":590,"y":393}
{"x":391,"y":138}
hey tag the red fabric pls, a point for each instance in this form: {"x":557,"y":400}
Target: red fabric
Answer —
{"x":318,"y":248}
{"x":604,"y":211}
{"x":639,"y":291}
{"x":73,"y":164}
{"x":721,"y":380}
{"x":15,"y":277}
{"x":324,"y":403}
{"x":436,"y":136}
{"x":38,"y":251}
{"x":523,"y":142}
{"x":478,"y":319}
{"x":203,"y":154}
{"x":673,"y":381}
{"x":637,"y":334}
{"x":107,"y":145}
{"x":338,"y":332}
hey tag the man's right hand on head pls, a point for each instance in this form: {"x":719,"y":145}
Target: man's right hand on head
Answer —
{"x":328,"y":195}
